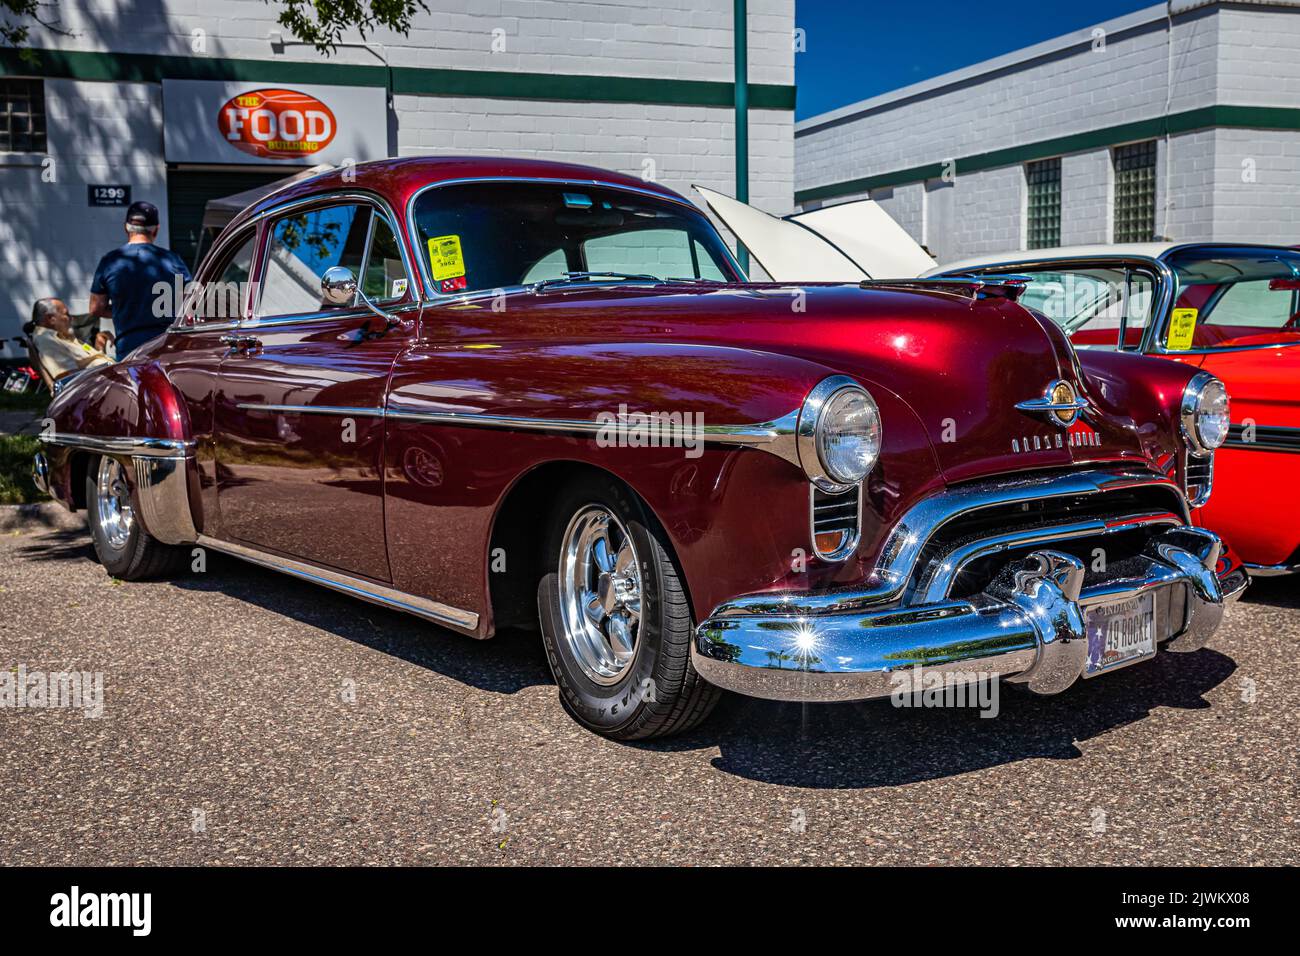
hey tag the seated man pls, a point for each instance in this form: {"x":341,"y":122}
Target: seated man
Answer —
{"x":60,"y":352}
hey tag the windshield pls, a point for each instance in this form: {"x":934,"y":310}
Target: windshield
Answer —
{"x":1093,"y":304}
{"x":495,"y":235}
{"x":1234,"y":299}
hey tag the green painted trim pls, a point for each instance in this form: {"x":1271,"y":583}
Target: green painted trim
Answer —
{"x":498,"y":84}
{"x":1206,"y":117}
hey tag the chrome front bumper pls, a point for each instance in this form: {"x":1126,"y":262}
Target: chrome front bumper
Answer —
{"x":1027,"y":626}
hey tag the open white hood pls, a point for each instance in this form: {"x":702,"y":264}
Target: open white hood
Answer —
{"x":845,"y":243}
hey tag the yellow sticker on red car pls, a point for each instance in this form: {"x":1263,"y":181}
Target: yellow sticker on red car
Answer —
{"x":445,"y":258}
{"x":1182,"y":328}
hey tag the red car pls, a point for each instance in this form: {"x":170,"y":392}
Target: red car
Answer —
{"x":494,"y":392}
{"x":1232,"y":310}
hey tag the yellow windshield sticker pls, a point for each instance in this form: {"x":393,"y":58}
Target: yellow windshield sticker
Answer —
{"x":1182,"y":327}
{"x":445,"y":259}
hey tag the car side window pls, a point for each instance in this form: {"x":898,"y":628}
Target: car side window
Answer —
{"x":1092,"y":304}
{"x":221,"y":297}
{"x":1253,"y":304}
{"x":302,"y":246}
{"x":385,"y":275}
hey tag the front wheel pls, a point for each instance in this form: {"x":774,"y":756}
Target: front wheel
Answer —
{"x":615,"y":618}
{"x":123,"y":546}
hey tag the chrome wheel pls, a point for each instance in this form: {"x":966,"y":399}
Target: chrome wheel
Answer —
{"x":600,"y":593}
{"x":113,"y":503}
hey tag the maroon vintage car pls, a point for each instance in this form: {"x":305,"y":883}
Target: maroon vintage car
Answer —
{"x":488,"y":391}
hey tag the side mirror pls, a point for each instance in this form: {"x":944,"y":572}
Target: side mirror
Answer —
{"x":338,"y":286}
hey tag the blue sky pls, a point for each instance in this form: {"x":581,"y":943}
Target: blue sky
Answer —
{"x":858,"y":48}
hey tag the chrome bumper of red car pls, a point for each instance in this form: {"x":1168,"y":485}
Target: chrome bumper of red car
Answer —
{"x":1029,"y":625}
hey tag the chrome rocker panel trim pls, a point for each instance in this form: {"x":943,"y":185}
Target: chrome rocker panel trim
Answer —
{"x":438,"y":613}
{"x":1028,"y":626}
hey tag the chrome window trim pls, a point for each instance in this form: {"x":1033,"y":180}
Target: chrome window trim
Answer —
{"x":435,"y":611}
{"x":413,"y":232}
{"x":219,"y":249}
{"x":410,"y":299}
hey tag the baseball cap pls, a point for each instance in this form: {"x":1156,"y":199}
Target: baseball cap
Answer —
{"x":142,"y":213}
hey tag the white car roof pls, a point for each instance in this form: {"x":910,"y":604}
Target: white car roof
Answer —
{"x":1148,"y":250}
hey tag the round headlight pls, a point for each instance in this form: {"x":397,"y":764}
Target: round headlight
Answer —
{"x":839,"y":433}
{"x":1205,"y":413}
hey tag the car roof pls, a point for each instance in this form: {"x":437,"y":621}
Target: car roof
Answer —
{"x":398,"y":179}
{"x":1119,"y":250}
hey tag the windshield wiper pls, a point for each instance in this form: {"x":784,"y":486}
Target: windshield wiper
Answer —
{"x":569,"y":277}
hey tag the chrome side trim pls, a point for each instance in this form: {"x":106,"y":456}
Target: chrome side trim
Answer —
{"x":162,"y":494}
{"x":776,"y":437}
{"x":905,"y":543}
{"x":1271,"y":570}
{"x":343,"y":410}
{"x":444,"y":614}
{"x":1264,"y":438}
{"x":118,"y":445}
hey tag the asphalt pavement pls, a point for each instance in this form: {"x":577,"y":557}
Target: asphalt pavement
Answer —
{"x":248,"y":718}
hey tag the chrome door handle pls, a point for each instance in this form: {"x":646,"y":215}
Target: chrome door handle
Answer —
{"x":240,"y":343}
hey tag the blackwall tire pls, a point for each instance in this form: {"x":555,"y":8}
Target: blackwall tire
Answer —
{"x":624,"y":689}
{"x":123,"y":546}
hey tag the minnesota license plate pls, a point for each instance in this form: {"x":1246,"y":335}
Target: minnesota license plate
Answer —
{"x":1120,"y":633}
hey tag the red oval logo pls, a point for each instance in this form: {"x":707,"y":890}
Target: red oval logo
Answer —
{"x":277,"y":124}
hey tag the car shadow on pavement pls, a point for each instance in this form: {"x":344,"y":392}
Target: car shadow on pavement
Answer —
{"x":1282,"y":591}
{"x":508,"y":663}
{"x":821,"y":746}
{"x":875,"y":744}
{"x":68,"y":544}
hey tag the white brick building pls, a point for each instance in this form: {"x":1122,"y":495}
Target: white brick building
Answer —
{"x":1180,"y":122}
{"x":646,"y":89}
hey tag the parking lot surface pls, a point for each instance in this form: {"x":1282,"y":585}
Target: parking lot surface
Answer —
{"x":249,"y":718}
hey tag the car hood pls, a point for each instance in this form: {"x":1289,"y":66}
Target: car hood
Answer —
{"x":961,"y":364}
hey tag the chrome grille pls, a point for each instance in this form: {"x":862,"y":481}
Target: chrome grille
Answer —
{"x":1198,"y":478}
{"x":836,"y":514}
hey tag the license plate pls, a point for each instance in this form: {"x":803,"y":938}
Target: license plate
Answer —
{"x":1121,"y":633}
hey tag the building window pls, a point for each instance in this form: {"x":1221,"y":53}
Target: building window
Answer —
{"x":1135,"y":192}
{"x":1043,"y":216}
{"x":22,"y":116}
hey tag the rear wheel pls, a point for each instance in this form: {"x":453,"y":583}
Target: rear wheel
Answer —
{"x":615,"y":619}
{"x":123,"y":546}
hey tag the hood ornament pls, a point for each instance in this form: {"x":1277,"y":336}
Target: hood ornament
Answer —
{"x":1060,"y":403}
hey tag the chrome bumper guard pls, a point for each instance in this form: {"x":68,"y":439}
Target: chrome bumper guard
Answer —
{"x":1028,"y":626}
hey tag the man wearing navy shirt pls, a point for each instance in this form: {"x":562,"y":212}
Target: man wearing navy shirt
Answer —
{"x":129,"y":281}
